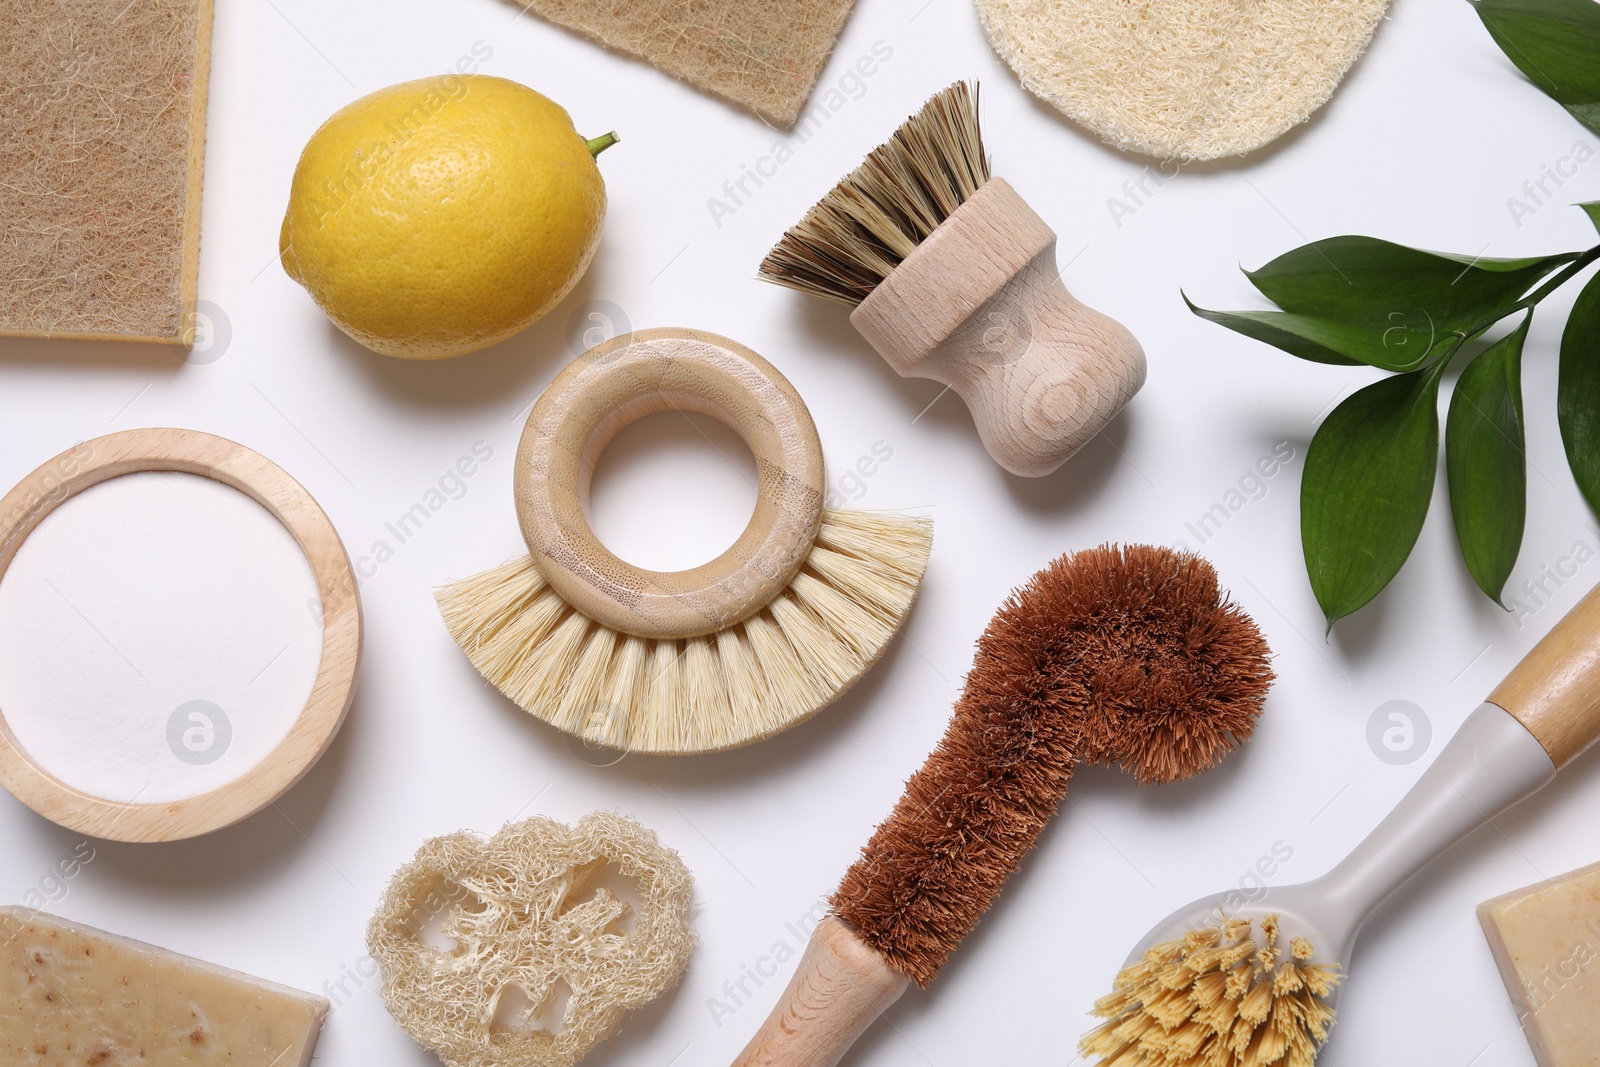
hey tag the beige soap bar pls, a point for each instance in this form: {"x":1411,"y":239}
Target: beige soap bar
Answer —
{"x":1546,"y":939}
{"x":74,"y":996}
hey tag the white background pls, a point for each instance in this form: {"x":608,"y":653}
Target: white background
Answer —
{"x":1431,"y":134}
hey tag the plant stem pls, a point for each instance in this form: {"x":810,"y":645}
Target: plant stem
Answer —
{"x":601,"y":143}
{"x":1560,"y":279}
{"x":1550,"y":286}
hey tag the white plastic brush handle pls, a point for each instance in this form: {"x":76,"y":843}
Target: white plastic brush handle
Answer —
{"x":1490,"y":764}
{"x":1545,"y":712}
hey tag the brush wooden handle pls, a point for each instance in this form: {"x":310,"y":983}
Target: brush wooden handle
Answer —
{"x":980,"y":307}
{"x":840,"y":987}
{"x":619,"y":382}
{"x":1555,"y":690}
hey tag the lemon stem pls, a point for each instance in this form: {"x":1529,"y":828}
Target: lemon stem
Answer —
{"x":603,"y":142}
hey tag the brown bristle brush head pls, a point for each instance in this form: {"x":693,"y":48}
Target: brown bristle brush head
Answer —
{"x":1116,"y":656}
{"x":881,"y":211}
{"x":953,"y":277}
{"x":1127,"y":656}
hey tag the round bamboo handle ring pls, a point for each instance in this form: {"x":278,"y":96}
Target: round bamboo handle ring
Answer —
{"x":234,"y":465}
{"x":619,"y":382}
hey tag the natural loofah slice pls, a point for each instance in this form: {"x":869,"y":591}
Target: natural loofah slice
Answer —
{"x":102,"y":137}
{"x":700,"y":694}
{"x":529,"y":925}
{"x":764,"y":56}
{"x":1194,"y":80}
{"x":1217,"y":998}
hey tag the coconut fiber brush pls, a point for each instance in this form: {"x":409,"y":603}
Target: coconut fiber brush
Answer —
{"x":1224,"y":984}
{"x":1121,"y":656}
{"x":953,"y":277}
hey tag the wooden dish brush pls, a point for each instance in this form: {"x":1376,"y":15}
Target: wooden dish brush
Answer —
{"x":1125,"y":656}
{"x":953,"y":277}
{"x":700,"y":660}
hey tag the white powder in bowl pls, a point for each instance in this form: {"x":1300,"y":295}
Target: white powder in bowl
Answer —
{"x":159,"y":635}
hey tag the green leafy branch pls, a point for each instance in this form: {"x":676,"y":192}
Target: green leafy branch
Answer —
{"x":1354,"y":301}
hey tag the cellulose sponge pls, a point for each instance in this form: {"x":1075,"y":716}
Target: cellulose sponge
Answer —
{"x":102,"y":135}
{"x":1182,"y":79}
{"x":531,"y":920}
{"x":764,"y":55}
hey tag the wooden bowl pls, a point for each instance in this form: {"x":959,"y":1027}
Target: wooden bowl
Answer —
{"x":192,"y":452}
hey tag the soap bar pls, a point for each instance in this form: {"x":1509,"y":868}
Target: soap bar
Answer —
{"x":70,"y":995}
{"x":1546,"y":939}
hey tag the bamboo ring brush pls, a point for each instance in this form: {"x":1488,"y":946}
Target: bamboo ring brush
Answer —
{"x":698,"y":660}
{"x":953,"y":277}
{"x":1206,"y":989}
{"x":1123,"y":656}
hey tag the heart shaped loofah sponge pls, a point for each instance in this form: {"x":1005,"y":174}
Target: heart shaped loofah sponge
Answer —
{"x":1192,"y":80}
{"x":521,"y":913}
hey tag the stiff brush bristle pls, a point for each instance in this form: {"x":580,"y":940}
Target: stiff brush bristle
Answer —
{"x":1217,"y":998}
{"x":1126,"y":656}
{"x":700,"y":694}
{"x":873,"y":219}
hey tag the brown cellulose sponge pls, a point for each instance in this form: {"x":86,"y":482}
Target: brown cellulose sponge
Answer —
{"x":529,"y":923}
{"x":102,"y":136}
{"x":764,"y":55}
{"x":1116,"y":656}
{"x":1194,"y":80}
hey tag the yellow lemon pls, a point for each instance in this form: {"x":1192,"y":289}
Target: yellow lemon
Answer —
{"x":439,"y":216}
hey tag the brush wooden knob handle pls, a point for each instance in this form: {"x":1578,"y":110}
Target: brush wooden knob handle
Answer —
{"x":619,"y":382}
{"x":980,"y":306}
{"x":1555,"y":690}
{"x":839,"y":988}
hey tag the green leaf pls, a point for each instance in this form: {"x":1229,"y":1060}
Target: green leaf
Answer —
{"x":1368,"y":481}
{"x":1398,"y":305}
{"x":1556,"y":44}
{"x":1485,"y":462}
{"x":1295,"y":334}
{"x":1592,"y":209}
{"x":1578,"y":392}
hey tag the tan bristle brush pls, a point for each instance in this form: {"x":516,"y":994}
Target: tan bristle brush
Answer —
{"x":953,"y":277}
{"x":1206,"y":989}
{"x":699,"y":660}
{"x":1115,"y":656}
